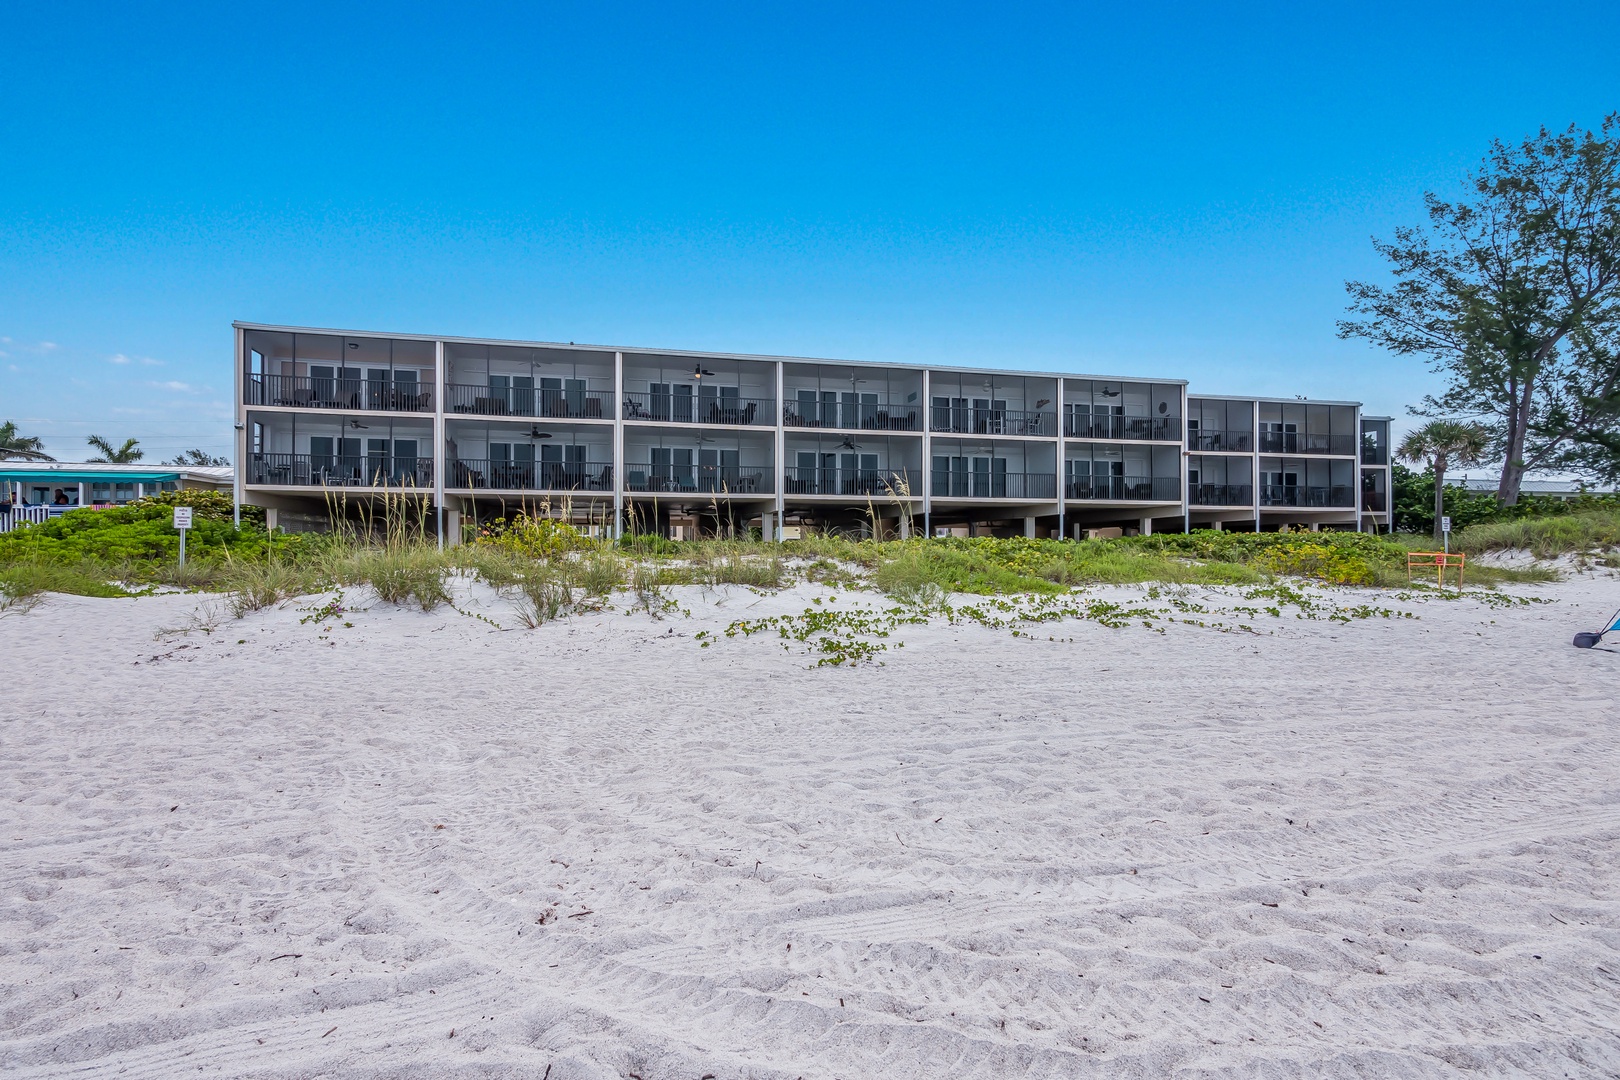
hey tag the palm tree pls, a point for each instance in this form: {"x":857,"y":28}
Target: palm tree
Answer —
{"x":127,"y":454}
{"x":1443,"y":443}
{"x":21,"y":447}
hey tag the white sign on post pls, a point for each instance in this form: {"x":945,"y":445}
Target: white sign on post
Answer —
{"x":1445,"y":523}
{"x":182,"y":522}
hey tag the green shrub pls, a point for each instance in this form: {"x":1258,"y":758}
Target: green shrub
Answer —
{"x":136,"y":533}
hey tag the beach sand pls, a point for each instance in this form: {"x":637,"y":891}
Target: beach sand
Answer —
{"x":420,"y":846}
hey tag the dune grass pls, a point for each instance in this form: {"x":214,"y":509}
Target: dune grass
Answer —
{"x":1545,"y":538}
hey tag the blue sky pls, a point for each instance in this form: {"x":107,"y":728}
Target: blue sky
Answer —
{"x":1136,"y":189}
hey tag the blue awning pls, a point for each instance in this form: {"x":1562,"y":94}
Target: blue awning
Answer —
{"x":63,"y":476}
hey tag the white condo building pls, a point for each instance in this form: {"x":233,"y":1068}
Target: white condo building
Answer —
{"x":687,"y":442}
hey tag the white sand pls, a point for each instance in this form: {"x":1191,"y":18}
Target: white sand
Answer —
{"x":1387,"y":848}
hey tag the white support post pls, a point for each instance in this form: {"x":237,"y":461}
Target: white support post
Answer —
{"x":1254,"y":426}
{"x":239,"y":442}
{"x":441,"y":440}
{"x":1145,"y":526}
{"x":1029,"y":527}
{"x":82,"y":502}
{"x":779,"y":438}
{"x":1062,"y":460}
{"x":927,"y":470}
{"x":618,"y":445}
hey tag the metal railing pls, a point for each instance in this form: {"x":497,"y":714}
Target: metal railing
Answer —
{"x":866,"y":416}
{"x":1114,"y":426}
{"x":1125,"y":488}
{"x":310,"y":392}
{"x":524,"y":401}
{"x":1207,"y":439}
{"x":1300,"y":495}
{"x":340,"y":470}
{"x":1300,"y":442}
{"x":993,"y":485}
{"x":870,"y":483}
{"x":508,"y":475}
{"x":698,"y":479}
{"x":965,"y":420}
{"x":30,"y":515}
{"x":680,"y":409}
{"x":1374,"y":502}
{"x":1221,"y":495}
{"x":1372,"y":452}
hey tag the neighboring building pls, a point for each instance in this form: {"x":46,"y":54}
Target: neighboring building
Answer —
{"x":35,"y":487}
{"x":1552,"y":489}
{"x":677,"y":441}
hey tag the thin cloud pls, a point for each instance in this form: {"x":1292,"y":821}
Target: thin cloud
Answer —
{"x":117,"y":358}
{"x":176,"y":386}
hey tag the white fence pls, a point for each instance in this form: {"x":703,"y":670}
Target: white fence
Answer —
{"x":30,"y":515}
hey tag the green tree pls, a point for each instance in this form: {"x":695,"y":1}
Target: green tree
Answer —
{"x":1441,"y":444}
{"x":14,"y":445}
{"x":1514,"y":296}
{"x":127,"y":454}
{"x":197,"y":457}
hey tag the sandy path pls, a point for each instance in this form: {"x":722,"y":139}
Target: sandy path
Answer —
{"x":1383,"y":848}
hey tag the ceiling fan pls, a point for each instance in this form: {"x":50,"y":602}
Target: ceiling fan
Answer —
{"x":849,"y":443}
{"x":1043,"y":403}
{"x":536,"y":433}
{"x":358,"y":426}
{"x":701,"y":372}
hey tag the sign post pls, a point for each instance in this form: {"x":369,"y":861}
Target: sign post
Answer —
{"x":182,"y":522}
{"x":1445,"y":531}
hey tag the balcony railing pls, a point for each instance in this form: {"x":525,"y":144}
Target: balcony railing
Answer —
{"x":1208,"y":439}
{"x":340,"y":470}
{"x":1125,"y":488}
{"x":308,"y":392}
{"x":530,"y":475}
{"x":863,"y":417}
{"x":1300,"y":442}
{"x":698,"y":480}
{"x":1373,"y":452}
{"x":1374,"y":502}
{"x":1113,"y":426}
{"x":509,"y":401}
{"x":966,"y":421}
{"x":680,"y":409}
{"x":994,"y":485}
{"x":1221,"y":495}
{"x":866,"y":483}
{"x":1310,"y":497}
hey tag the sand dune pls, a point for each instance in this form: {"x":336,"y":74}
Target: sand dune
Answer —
{"x":421,"y":846}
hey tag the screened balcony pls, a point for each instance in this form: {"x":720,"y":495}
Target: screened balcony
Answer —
{"x":1121,"y":473}
{"x":1217,"y":425}
{"x":1217,"y":480}
{"x":510,"y":380}
{"x":1308,"y":484}
{"x":305,"y":450}
{"x":859,"y":465}
{"x":851,"y":398}
{"x":717,"y":392}
{"x":963,"y":469}
{"x":515,"y":457}
{"x":327,"y":371}
{"x":971,"y":404}
{"x":1290,"y":427}
{"x":1105,"y":409}
{"x":1374,"y":442}
{"x":705,"y":464}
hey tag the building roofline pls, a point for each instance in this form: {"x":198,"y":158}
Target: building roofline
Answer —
{"x":1278,"y":400}
{"x":697,"y":354}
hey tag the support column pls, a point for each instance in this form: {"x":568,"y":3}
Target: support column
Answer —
{"x":619,"y":477}
{"x":779,"y":440}
{"x":441,"y":439}
{"x":1029,"y":527}
{"x":927,"y":470}
{"x":239,"y":443}
{"x":1145,"y":526}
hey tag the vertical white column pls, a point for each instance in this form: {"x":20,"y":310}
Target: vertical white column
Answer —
{"x":1355,"y":472}
{"x":1062,"y":461}
{"x":239,"y":440}
{"x":927,"y":470}
{"x":1185,"y":457}
{"x":81,"y":493}
{"x":441,"y":441}
{"x":779,"y":436}
{"x":1254,"y":469}
{"x":618,"y":445}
